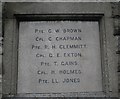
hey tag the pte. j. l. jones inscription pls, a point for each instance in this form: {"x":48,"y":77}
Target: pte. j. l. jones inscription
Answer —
{"x":59,"y":56}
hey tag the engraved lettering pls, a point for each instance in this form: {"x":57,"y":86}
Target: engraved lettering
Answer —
{"x":71,"y":30}
{"x":75,"y":46}
{"x":57,"y":30}
{"x":55,"y":81}
{"x":39,"y":55}
{"x":68,"y":38}
{"x":64,"y":63}
{"x":50,"y":38}
{"x":72,"y":54}
{"x":49,"y":31}
{"x":39,"y":39}
{"x":71,"y":80}
{"x":36,"y":47}
{"x":69,"y":71}
{"x":43,"y":81}
{"x":39,"y":31}
{"x":45,"y":63}
{"x":41,"y":72}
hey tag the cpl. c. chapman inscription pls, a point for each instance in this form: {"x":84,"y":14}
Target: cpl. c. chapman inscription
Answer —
{"x":59,"y":56}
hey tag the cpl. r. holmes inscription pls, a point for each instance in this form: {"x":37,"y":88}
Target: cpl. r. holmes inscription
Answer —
{"x":59,"y":56}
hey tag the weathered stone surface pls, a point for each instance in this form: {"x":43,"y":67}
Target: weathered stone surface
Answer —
{"x":59,"y":0}
{"x":111,"y":47}
{"x":60,"y":56}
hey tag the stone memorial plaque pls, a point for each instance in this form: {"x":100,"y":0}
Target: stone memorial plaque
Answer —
{"x":59,"y":56}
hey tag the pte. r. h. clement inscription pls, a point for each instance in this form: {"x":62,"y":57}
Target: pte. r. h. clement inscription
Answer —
{"x":59,"y":56}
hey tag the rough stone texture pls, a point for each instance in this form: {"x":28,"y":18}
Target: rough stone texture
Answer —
{"x":59,"y":0}
{"x":116,"y":16}
{"x":0,"y":49}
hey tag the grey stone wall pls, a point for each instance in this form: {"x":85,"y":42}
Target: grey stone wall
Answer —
{"x":0,"y":49}
{"x":116,"y":16}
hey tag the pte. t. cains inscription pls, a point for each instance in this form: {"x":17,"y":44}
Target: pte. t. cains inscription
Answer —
{"x":59,"y":56}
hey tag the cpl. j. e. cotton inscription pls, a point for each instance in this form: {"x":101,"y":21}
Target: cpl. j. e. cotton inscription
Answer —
{"x":59,"y":56}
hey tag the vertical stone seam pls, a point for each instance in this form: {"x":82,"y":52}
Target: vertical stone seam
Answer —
{"x":116,"y":22}
{"x":1,"y":40}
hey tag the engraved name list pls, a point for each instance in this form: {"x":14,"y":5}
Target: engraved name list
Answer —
{"x":59,"y":56}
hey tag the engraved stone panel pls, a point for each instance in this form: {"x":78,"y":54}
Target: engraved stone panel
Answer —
{"x":59,"y":56}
